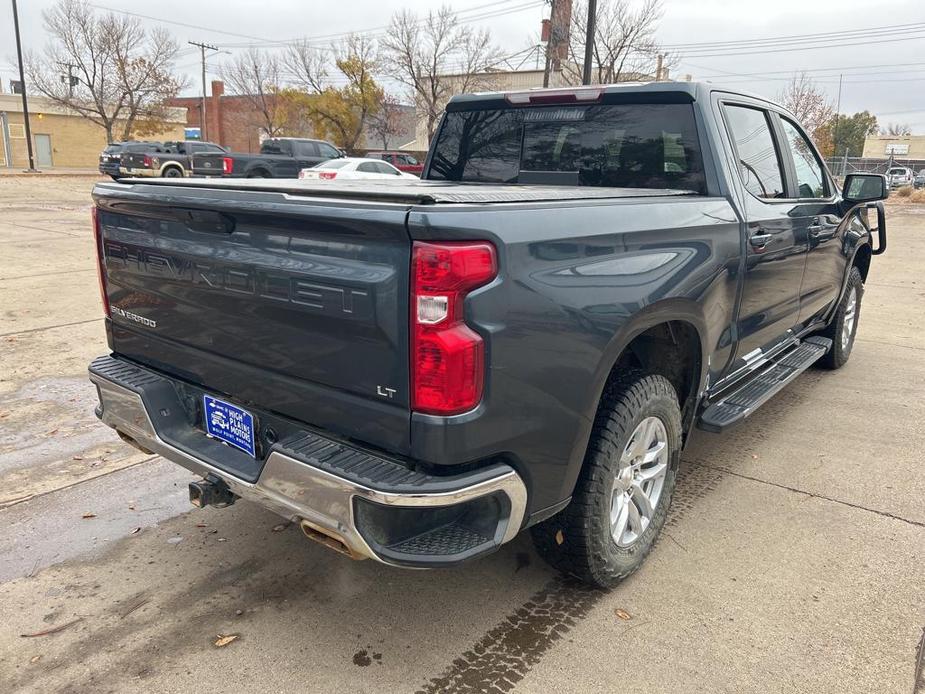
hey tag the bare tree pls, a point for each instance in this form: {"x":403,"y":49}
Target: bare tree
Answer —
{"x":308,"y":65}
{"x":435,"y":57}
{"x":811,"y":106}
{"x":391,"y":120}
{"x":256,"y":76}
{"x":897,"y":129}
{"x":625,"y":46}
{"x":123,"y":71}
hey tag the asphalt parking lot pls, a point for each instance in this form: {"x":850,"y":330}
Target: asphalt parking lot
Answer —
{"x":793,"y":559}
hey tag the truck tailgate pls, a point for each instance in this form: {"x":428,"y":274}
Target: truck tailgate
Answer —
{"x":295,"y":305}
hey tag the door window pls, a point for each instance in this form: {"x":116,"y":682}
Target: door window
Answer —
{"x":328,"y":151}
{"x":306,"y":149}
{"x":384,"y":168}
{"x":810,"y":178}
{"x":369,"y":167}
{"x":759,"y":163}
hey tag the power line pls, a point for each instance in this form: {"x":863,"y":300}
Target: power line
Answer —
{"x":778,"y":39}
{"x":793,"y":49}
{"x":277,"y":42}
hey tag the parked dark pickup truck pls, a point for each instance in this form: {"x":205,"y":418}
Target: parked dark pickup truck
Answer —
{"x":168,"y":160}
{"x":280,"y":157}
{"x":416,"y":372}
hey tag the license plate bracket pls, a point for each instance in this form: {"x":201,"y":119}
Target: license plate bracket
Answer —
{"x":229,"y":423}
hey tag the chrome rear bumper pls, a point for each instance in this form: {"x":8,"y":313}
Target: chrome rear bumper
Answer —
{"x":299,"y":491}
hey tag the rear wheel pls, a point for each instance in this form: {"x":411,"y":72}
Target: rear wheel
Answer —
{"x":172,"y":172}
{"x":622,"y":497}
{"x":844,"y":325}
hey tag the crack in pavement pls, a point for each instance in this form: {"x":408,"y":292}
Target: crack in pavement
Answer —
{"x":45,"y":274}
{"x":885,"y":514}
{"x":918,"y":685}
{"x":49,"y":327}
{"x":10,"y":503}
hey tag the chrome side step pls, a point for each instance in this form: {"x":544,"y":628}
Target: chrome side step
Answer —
{"x":735,"y":406}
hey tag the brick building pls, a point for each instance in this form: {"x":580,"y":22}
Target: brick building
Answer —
{"x":60,"y":137}
{"x":234,"y":122}
{"x":231,"y":121}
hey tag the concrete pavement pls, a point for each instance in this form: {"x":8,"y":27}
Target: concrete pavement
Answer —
{"x":793,"y":561}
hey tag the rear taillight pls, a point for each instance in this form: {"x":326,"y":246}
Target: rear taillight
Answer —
{"x":100,"y":260}
{"x":327,"y":175}
{"x":447,"y":356}
{"x":147,"y":161}
{"x":227,"y":165}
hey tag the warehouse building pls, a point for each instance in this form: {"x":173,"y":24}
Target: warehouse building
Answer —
{"x":897,"y":146}
{"x":60,"y":138}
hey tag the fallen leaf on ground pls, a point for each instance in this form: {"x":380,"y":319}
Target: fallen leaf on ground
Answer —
{"x":754,"y":456}
{"x":35,"y":659}
{"x":78,"y":457}
{"x":135,"y":530}
{"x":53,"y":630}
{"x":560,"y":538}
{"x":623,"y":614}
{"x":88,"y":515}
{"x":201,"y":525}
{"x":52,"y":432}
{"x":279,"y":528}
{"x":223,"y":539}
{"x":222,"y":641}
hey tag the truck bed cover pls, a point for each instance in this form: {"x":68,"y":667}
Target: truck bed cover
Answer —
{"x":414,"y":192}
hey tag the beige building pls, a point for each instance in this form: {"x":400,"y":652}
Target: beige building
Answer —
{"x":60,"y":138}
{"x":900,"y":146}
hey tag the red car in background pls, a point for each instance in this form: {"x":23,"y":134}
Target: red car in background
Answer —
{"x":400,"y":160}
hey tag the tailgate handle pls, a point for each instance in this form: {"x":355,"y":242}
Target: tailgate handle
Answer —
{"x":209,"y":221}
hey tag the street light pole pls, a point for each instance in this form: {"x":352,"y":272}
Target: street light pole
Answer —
{"x":589,"y":41}
{"x":22,"y":82}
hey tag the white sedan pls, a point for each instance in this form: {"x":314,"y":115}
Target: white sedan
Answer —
{"x":352,"y":168}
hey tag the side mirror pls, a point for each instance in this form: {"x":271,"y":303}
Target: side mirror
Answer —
{"x":865,"y":187}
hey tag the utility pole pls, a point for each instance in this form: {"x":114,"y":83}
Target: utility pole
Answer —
{"x":550,"y":41}
{"x":589,"y":41}
{"x":71,"y":80}
{"x":202,"y":108}
{"x":838,"y":103}
{"x":22,"y":81}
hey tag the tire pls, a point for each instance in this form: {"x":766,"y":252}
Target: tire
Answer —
{"x":580,"y":540}
{"x":260,"y":173}
{"x":844,"y":324}
{"x":172,"y":172}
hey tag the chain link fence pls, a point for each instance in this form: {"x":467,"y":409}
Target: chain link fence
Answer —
{"x":841,"y":166}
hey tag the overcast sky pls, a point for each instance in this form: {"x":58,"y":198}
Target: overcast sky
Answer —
{"x":884,"y":70}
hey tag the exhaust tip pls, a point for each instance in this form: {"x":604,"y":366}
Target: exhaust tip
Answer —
{"x":327,"y":538}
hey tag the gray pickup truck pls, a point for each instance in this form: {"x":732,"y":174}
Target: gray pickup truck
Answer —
{"x":415,"y":372}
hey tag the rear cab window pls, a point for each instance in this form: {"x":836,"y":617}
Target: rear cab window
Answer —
{"x":644,"y":145}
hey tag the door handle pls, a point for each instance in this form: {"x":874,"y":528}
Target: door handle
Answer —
{"x":760,"y":240}
{"x":815,"y":230}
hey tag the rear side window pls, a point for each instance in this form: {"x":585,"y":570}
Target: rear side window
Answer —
{"x":327,"y":151}
{"x":633,"y":145}
{"x":759,"y":163}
